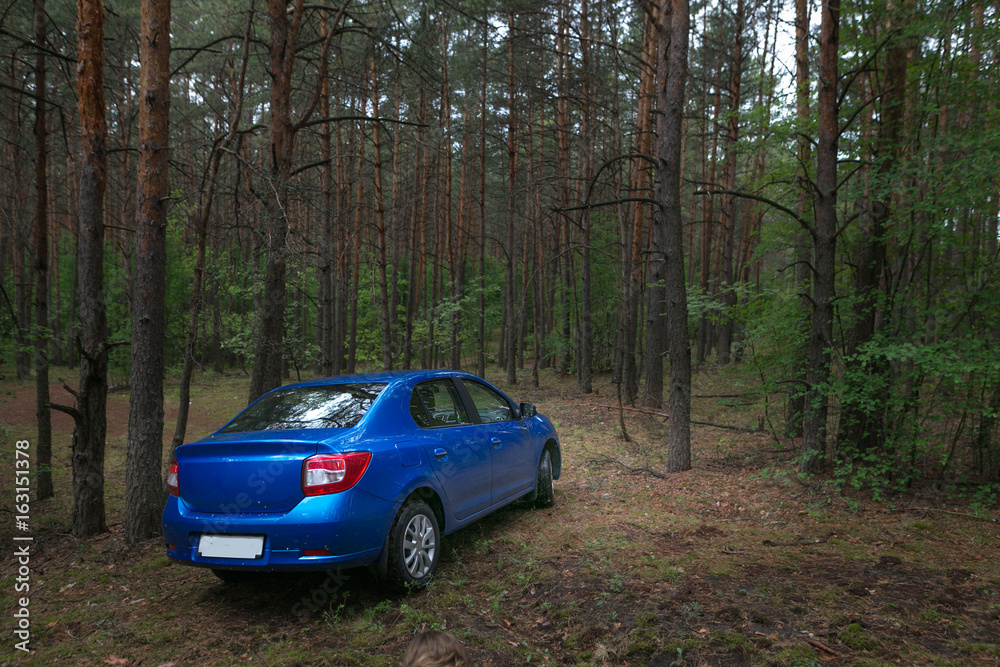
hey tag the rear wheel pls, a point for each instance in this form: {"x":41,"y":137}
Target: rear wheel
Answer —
{"x":545,"y":495}
{"x":414,"y":546}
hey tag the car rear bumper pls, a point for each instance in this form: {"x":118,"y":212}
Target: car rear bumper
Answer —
{"x":351,"y":526}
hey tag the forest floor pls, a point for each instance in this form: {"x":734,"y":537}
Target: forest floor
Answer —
{"x":736,"y":562}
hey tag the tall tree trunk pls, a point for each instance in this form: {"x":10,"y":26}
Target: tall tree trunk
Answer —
{"x":144,"y":489}
{"x":727,"y":286}
{"x":562,"y":139}
{"x":584,"y":367}
{"x":269,"y":349}
{"x":632,"y":233}
{"x":481,"y":333}
{"x":285,"y":24}
{"x":43,"y":415}
{"x":813,"y":450}
{"x":352,"y":345}
{"x":797,"y":396}
{"x":416,"y":266}
{"x":328,"y":251}
{"x":340,"y":285}
{"x":668,"y":230}
{"x":708,"y":217}
{"x":382,"y":260}
{"x":656,"y":306}
{"x":90,"y":415}
{"x":510,"y":309}
{"x":452,"y":232}
{"x":397,"y":231}
{"x":22,"y":281}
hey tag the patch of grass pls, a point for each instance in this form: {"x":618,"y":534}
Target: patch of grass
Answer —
{"x":646,"y":619}
{"x":664,"y":569}
{"x":691,"y":611}
{"x":856,"y":637}
{"x":932,"y":615}
{"x":972,"y":648}
{"x":682,"y":646}
{"x":830,"y":594}
{"x":733,"y":642}
{"x":798,"y":656}
{"x":641,"y":646}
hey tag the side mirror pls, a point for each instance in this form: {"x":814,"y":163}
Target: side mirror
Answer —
{"x":528,"y":410}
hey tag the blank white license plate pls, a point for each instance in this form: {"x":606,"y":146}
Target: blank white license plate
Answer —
{"x":231,"y":546}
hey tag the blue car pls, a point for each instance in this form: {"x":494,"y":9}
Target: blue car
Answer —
{"x":355,"y":470}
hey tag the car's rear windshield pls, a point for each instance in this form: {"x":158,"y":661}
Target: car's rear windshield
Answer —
{"x":328,"y":406}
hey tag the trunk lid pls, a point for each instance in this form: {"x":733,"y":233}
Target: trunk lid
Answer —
{"x":251,"y":472}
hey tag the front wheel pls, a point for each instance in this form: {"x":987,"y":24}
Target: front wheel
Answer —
{"x":545,"y":494}
{"x":414,"y":546}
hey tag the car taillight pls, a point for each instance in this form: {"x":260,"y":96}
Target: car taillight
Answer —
{"x":172,"y":479}
{"x":333,"y":473}
{"x":316,"y":552}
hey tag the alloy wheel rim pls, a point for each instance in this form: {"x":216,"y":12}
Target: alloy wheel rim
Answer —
{"x":419,"y":546}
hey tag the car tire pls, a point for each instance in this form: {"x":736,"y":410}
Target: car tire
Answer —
{"x":544,"y":494}
{"x":234,"y":576}
{"x":414,"y":546}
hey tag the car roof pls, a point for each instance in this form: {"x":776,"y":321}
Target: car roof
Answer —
{"x":389,"y":377}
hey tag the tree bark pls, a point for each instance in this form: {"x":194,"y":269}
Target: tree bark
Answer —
{"x":562,"y":139}
{"x":796,"y":400}
{"x":708,"y":218}
{"x":813,"y":449}
{"x":674,"y":22}
{"x":43,"y":415}
{"x":285,"y":24}
{"x":510,"y":323}
{"x":90,"y":417}
{"x":585,"y":362}
{"x":326,"y":295}
{"x":481,"y":332}
{"x":380,"y":231}
{"x":727,"y":286}
{"x":269,"y":349}
{"x":632,"y":228}
{"x":144,"y":489}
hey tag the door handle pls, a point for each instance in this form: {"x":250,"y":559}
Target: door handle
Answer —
{"x":441,"y":454}
{"x":497,"y":443}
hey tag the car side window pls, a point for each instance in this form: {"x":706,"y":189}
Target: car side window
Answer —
{"x":436,"y":403}
{"x":491,"y":406}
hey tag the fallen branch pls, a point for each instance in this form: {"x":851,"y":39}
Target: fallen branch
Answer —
{"x":950,"y":513}
{"x":718,"y":396}
{"x":742,"y":429}
{"x":666,"y":416}
{"x":607,"y":460}
{"x":625,"y":407}
{"x":822,"y":647}
{"x":796,"y":543}
{"x":735,"y":552}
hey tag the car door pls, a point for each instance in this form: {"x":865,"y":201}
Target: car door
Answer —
{"x":461,"y":459}
{"x":509,"y":441}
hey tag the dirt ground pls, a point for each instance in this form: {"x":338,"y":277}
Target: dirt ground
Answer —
{"x":736,"y":562}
